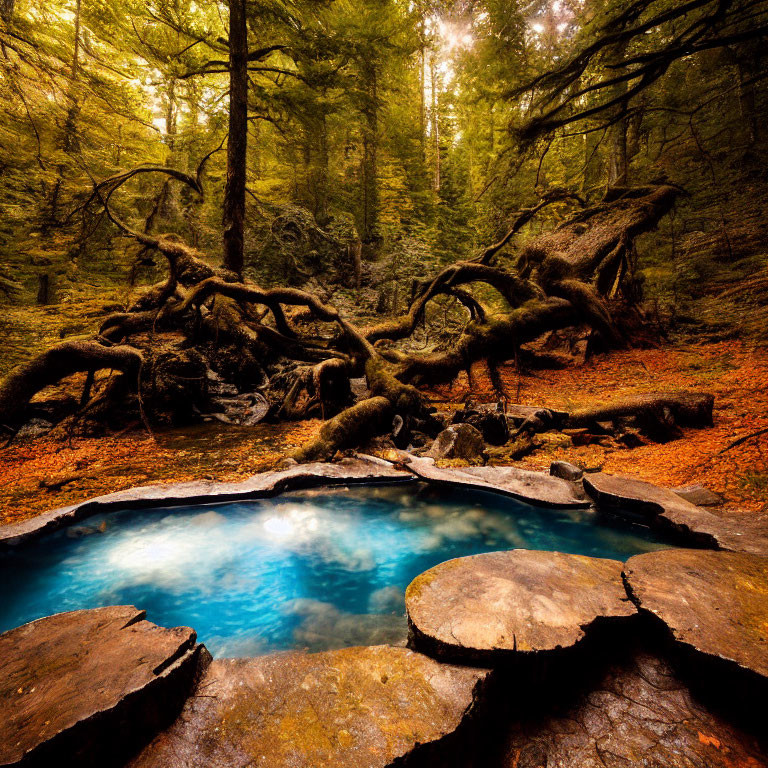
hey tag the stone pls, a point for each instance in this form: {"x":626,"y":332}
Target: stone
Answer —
{"x":354,"y":470}
{"x":488,"y":607}
{"x":630,"y":438}
{"x":350,"y":708}
{"x":532,"y":487}
{"x":699,"y":495}
{"x":665,"y":510}
{"x":35,"y":427}
{"x":458,"y":441}
{"x":89,"y":687}
{"x":713,"y":602}
{"x":488,"y":418}
{"x":566,"y":471}
{"x":637,"y":713}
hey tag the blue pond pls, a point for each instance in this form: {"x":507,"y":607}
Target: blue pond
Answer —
{"x":312,"y":569}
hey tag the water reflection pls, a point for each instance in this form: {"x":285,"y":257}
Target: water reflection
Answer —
{"x":316,"y":569}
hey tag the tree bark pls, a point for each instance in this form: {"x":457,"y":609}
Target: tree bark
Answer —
{"x":18,"y":388}
{"x":237,"y":142}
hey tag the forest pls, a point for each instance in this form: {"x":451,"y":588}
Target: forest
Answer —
{"x":384,"y":383}
{"x":231,"y":227}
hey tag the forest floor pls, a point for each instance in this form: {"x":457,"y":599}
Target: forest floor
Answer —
{"x":43,"y":474}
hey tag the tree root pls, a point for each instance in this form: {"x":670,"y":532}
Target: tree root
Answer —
{"x":236,"y":334}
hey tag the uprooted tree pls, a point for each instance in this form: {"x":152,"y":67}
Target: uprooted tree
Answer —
{"x":205,"y":334}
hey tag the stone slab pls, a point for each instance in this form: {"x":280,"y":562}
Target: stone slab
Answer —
{"x":638,"y":713}
{"x":490,"y":606}
{"x":532,"y":487}
{"x":699,"y":495}
{"x":352,"y":708}
{"x":78,"y":686}
{"x":713,"y":602}
{"x":357,"y":470}
{"x":664,"y":509}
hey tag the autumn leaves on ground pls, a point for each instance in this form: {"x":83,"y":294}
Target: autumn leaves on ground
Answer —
{"x":43,"y":474}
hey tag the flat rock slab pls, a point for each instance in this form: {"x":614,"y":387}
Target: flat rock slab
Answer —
{"x":351,"y":708}
{"x":638,"y":714}
{"x":533,"y":487}
{"x":714,"y":602}
{"x":500,"y":603}
{"x":666,"y":510}
{"x":357,"y":470}
{"x":78,"y":685}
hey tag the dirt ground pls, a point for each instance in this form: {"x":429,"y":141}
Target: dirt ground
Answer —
{"x":44,"y":474}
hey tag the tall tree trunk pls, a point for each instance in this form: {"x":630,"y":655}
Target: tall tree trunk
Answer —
{"x":423,"y":90}
{"x":435,"y":122}
{"x":618,"y":165}
{"x":370,"y":156}
{"x":749,"y":65}
{"x":68,"y":141}
{"x":237,"y":143}
{"x":617,"y":155}
{"x":321,"y":193}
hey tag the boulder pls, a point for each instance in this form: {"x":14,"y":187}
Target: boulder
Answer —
{"x":488,"y":608}
{"x":566,"y":471}
{"x":715,"y":603}
{"x":699,"y":495}
{"x":352,"y":708}
{"x":87,"y":688}
{"x":458,"y":441}
{"x":488,"y":419}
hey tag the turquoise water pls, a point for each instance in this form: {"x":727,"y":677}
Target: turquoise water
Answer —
{"x":312,"y":569}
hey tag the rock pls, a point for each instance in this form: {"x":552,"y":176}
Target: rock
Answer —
{"x":34,"y":428}
{"x":566,"y":471}
{"x":637,"y":713}
{"x":361,"y":469}
{"x":87,"y":688}
{"x":488,"y":419}
{"x":418,"y":440}
{"x":359,"y":388}
{"x":713,"y":602}
{"x":630,"y":438}
{"x":351,"y":708}
{"x":667,"y":511}
{"x":699,"y":495}
{"x":487,"y":608}
{"x":458,"y":441}
{"x":533,"y":487}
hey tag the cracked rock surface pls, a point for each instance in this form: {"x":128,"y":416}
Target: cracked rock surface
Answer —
{"x":637,"y":713}
{"x":351,"y":708}
{"x":520,"y":601}
{"x":80,"y":688}
{"x":713,"y":602}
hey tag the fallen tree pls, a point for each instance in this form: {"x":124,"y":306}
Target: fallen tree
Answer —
{"x":206,"y":333}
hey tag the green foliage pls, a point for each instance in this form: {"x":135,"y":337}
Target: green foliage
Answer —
{"x":391,"y":122}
